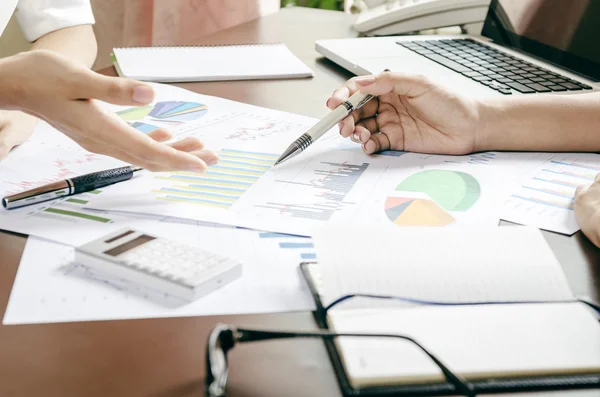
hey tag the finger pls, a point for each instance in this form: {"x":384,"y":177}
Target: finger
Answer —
{"x":4,"y":149}
{"x":363,"y":128}
{"x":12,"y":136}
{"x":411,"y":85}
{"x":581,"y":189}
{"x":370,"y":124}
{"x":338,"y":97}
{"x":188,"y":144}
{"x":160,"y":135}
{"x":93,"y":123}
{"x":377,"y":143}
{"x":116,"y":90}
{"x":363,"y":134}
{"x":210,"y":158}
{"x":597,"y":179}
{"x":347,"y":127}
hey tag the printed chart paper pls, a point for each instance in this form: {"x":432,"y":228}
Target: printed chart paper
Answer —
{"x":50,"y":287}
{"x":318,"y":188}
{"x":50,"y":156}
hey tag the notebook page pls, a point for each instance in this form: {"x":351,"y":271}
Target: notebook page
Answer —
{"x":236,"y":62}
{"x":475,"y":341}
{"x":510,"y":263}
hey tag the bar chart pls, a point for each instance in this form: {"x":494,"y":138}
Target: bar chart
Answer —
{"x":320,"y":192}
{"x":545,"y":197}
{"x":303,"y":246}
{"x":222,"y":184}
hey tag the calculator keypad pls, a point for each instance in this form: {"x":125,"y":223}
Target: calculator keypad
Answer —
{"x":176,"y":262}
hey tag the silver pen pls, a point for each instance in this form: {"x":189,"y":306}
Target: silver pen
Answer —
{"x":356,"y":101}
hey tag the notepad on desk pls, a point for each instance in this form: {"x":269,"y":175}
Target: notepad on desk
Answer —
{"x":209,"y":63}
{"x":551,"y":336}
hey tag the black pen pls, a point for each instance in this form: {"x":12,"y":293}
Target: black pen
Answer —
{"x":69,"y":187}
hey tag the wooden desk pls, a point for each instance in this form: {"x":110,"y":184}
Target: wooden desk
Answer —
{"x":165,"y":357}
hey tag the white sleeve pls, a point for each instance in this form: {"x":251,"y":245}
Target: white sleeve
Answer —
{"x":39,"y":17}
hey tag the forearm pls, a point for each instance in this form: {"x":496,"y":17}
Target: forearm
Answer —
{"x":540,"y":123}
{"x":77,"y":43}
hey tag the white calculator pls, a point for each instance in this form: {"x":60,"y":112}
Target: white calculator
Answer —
{"x":177,"y":269}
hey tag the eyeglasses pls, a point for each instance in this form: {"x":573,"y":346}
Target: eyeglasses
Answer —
{"x":224,"y":337}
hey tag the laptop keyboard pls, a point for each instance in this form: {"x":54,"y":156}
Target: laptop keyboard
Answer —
{"x":492,"y":68}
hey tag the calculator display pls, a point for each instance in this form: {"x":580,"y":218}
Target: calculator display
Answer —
{"x":136,"y":242}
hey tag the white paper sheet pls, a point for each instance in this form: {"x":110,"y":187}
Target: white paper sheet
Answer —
{"x":320,"y":187}
{"x":49,"y":287}
{"x":510,"y":263}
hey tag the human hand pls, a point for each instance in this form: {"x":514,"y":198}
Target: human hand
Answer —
{"x":409,"y":113}
{"x":64,"y":94}
{"x":587,"y":210}
{"x":15,"y":128}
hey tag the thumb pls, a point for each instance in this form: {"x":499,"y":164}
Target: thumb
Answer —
{"x":4,"y":149}
{"x":115,"y":90}
{"x":581,"y":189}
{"x":404,"y":84}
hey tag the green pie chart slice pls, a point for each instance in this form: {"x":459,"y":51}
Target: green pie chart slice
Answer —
{"x":453,"y":190}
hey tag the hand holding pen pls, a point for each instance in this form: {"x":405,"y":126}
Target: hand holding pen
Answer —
{"x":339,"y":112}
{"x":411,"y":113}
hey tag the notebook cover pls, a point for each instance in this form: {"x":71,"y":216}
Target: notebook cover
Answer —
{"x":296,"y":74}
{"x":437,"y":389}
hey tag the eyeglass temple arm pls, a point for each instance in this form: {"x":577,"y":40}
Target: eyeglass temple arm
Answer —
{"x":248,"y":335}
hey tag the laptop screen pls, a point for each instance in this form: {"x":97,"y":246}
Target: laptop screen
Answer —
{"x":563,"y":32}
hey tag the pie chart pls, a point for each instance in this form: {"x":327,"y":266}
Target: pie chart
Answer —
{"x":404,"y":211}
{"x":174,"y":111}
{"x":448,"y":190}
{"x":452,"y":190}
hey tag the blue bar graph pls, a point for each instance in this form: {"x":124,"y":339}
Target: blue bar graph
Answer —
{"x":330,"y":183}
{"x":303,"y":246}
{"x":296,"y":245}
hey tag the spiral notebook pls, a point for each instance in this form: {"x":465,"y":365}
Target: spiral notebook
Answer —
{"x":535,"y":336}
{"x":209,"y":63}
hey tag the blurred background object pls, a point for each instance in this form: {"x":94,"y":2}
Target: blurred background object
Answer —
{"x":324,"y":4}
{"x":130,"y":23}
{"x":127,"y":23}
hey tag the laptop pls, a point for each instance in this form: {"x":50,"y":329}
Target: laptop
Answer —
{"x":526,"y":47}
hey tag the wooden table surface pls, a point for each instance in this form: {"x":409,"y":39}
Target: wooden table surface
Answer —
{"x":165,"y":357}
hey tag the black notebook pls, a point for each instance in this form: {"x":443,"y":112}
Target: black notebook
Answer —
{"x":522,"y":328}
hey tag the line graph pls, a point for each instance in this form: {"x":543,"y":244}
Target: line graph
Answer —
{"x":57,"y":170}
{"x":260,"y":126}
{"x":323,"y":191}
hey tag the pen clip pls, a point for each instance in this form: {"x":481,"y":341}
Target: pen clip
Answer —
{"x":362,"y":103}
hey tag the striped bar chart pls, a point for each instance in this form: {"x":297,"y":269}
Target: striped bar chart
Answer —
{"x":545,"y":198}
{"x":72,"y":210}
{"x":549,"y":203}
{"x":553,"y":184}
{"x":324,"y":188}
{"x":222,"y":184}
